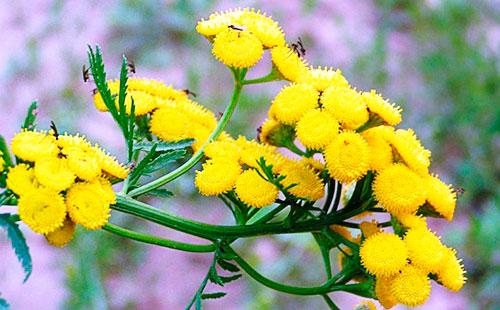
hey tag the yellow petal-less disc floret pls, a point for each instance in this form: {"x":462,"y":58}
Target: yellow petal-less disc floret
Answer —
{"x":217,"y":177}
{"x":322,"y":78}
{"x":389,"y":113}
{"x":170,"y":124}
{"x":411,"y":287}
{"x":33,"y":145}
{"x":42,"y":209}
{"x":83,"y":163}
{"x":399,"y":190}
{"x":223,"y":150}
{"x":54,"y":173}
{"x":308,"y":183}
{"x":21,"y":179}
{"x":62,"y":235}
{"x":384,"y":293}
{"x":253,"y":190}
{"x":237,"y":48}
{"x":252,"y":151}
{"x":292,"y":102}
{"x":383,"y":254}
{"x":380,"y":150}
{"x":263,"y":27}
{"x":412,"y":221}
{"x":411,"y":151}
{"x":316,"y":129}
{"x":424,"y":248}
{"x":451,"y":273}
{"x":88,"y":203}
{"x":346,"y":106}
{"x":68,"y":142}
{"x":347,"y":157}
{"x":441,"y":197}
{"x":218,"y":22}
{"x":290,"y":65}
{"x":109,"y":165}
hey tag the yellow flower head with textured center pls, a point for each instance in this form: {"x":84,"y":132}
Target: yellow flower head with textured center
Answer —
{"x":68,"y":142}
{"x":254,"y":191}
{"x":155,"y":88}
{"x":411,"y":287}
{"x":292,"y":102}
{"x":384,"y":293}
{"x":192,"y":110}
{"x":346,"y":106}
{"x":218,"y":22}
{"x":33,"y":145}
{"x":62,"y":235}
{"x":290,"y":65}
{"x":237,"y":48}
{"x":109,"y":165}
{"x":380,"y":150}
{"x":88,"y":203}
{"x":21,"y":179}
{"x":316,"y":129}
{"x":263,"y":27}
{"x":42,"y":209}
{"x":411,"y":151}
{"x":54,"y":173}
{"x":200,"y":134}
{"x":251,"y":152}
{"x":383,"y":254}
{"x":412,"y":221}
{"x":425,"y":249}
{"x":389,"y":113}
{"x":143,"y":102}
{"x":170,"y":124}
{"x":399,"y":190}
{"x":347,"y":157}
{"x":84,"y":164}
{"x":217,"y":177}
{"x":223,"y":150}
{"x":308,"y":183}
{"x":451,"y":272}
{"x":114,"y":87}
{"x":441,"y":197}
{"x":322,"y":78}
{"x":313,"y":163}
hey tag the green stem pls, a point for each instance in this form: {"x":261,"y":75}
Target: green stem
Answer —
{"x":272,"y":76}
{"x":195,"y":248}
{"x":199,"y":154}
{"x":330,"y":302}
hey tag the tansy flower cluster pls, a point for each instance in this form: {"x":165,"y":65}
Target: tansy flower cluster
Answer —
{"x":164,"y":105}
{"x":62,"y":180}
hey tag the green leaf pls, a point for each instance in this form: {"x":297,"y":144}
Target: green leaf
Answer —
{"x":18,"y":243}
{"x":163,"y":146}
{"x":138,"y":170}
{"x":230,"y":278}
{"x":30,"y":119}
{"x":160,"y":192}
{"x":214,"y":277}
{"x":213,"y":295}
{"x":160,"y":161}
{"x":5,"y":151}
{"x":227,"y":265}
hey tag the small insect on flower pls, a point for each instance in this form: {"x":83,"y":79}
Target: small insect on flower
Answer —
{"x":298,"y":48}
{"x":189,"y":93}
{"x":85,"y":73}
{"x":238,"y":28}
{"x":54,"y":129}
{"x":131,"y":66}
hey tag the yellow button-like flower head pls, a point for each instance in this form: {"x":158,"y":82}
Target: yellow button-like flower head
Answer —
{"x":290,"y":65}
{"x":384,"y":293}
{"x":441,"y":197}
{"x":237,"y":48}
{"x":383,"y":254}
{"x":346,"y":105}
{"x":265,"y":28}
{"x":21,"y":179}
{"x":389,"y":113}
{"x":411,"y":287}
{"x":411,"y":151}
{"x":54,"y":173}
{"x":109,"y":165}
{"x":425,"y":249}
{"x":347,"y":157}
{"x":84,"y":164}
{"x":293,"y":102}
{"x":170,"y":124}
{"x":451,"y":273}
{"x":42,"y":209}
{"x":308,"y":183}
{"x":253,"y":190}
{"x":33,"y":145}
{"x":223,"y":150}
{"x":316,"y":129}
{"x":217,"y":177}
{"x":62,"y":235}
{"x":322,"y":78}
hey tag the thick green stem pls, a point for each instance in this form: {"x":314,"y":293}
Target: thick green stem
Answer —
{"x":196,"y":248}
{"x":199,"y":154}
{"x":272,"y":76}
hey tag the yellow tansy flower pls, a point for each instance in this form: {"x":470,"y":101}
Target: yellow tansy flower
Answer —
{"x":109,"y":165}
{"x":290,"y":65}
{"x":218,"y":22}
{"x":380,"y":150}
{"x":451,"y":272}
{"x":33,"y":145}
{"x":411,"y":151}
{"x":42,"y":209}
{"x":316,"y":129}
{"x":54,"y":173}
{"x":322,"y":78}
{"x":424,"y":249}
{"x":346,"y":106}
{"x":263,"y":27}
{"x":83,"y":163}
{"x":412,"y":221}
{"x":384,"y":293}
{"x":383,"y":254}
{"x":292,"y":102}
{"x":170,"y":124}
{"x":62,"y":235}
{"x":389,"y":113}
{"x":308,"y":183}
{"x":441,"y":197}
{"x":21,"y":179}
{"x":253,"y":190}
{"x":217,"y":177}
{"x":222,"y":149}
{"x":237,"y":48}
{"x":411,"y":287}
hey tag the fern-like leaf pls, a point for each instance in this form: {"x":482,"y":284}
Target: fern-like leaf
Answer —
{"x":18,"y":243}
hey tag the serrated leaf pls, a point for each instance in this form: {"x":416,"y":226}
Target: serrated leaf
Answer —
{"x":5,"y":151}
{"x":160,"y":161}
{"x":160,"y":192}
{"x":30,"y":119}
{"x":230,"y":278}
{"x":213,"y":295}
{"x":163,"y":146}
{"x":227,"y":265}
{"x":18,"y":243}
{"x":214,"y":277}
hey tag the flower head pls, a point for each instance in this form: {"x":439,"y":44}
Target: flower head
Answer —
{"x":308,"y":184}
{"x":441,"y":197}
{"x":263,"y":27}
{"x":383,"y":254}
{"x":83,"y":163}
{"x":411,"y":151}
{"x":237,"y":48}
{"x":316,"y":129}
{"x":322,"y":78}
{"x":425,"y":249}
{"x":21,"y":179}
{"x":54,"y":173}
{"x":380,"y":150}
{"x":412,"y":221}
{"x":42,"y":209}
{"x":292,"y":102}
{"x":369,"y":228}
{"x":383,"y":292}
{"x":398,"y":189}
{"x":290,"y":65}
{"x":170,"y":124}
{"x":411,"y":287}
{"x":227,"y":149}
{"x":346,"y":106}
{"x":218,"y":22}
{"x":109,"y":165}
{"x":33,"y":145}
{"x":253,"y":190}
{"x":347,"y":157}
{"x":451,"y":273}
{"x":217,"y":177}
{"x":389,"y":113}
{"x":62,"y":235}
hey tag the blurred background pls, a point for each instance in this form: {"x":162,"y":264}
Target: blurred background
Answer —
{"x":438,"y":59}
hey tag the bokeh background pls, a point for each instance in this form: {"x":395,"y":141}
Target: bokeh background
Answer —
{"x":438,"y":59}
